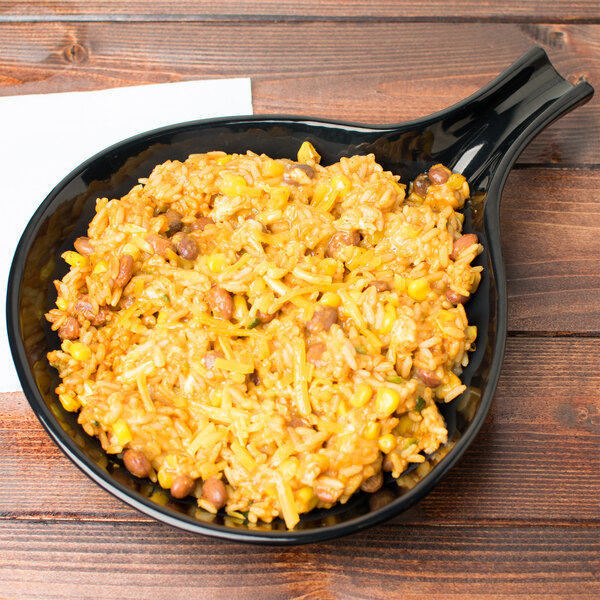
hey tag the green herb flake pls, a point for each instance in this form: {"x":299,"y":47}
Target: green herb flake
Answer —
{"x":360,"y":350}
{"x":420,"y":404}
{"x":410,"y":443}
{"x":253,"y":323}
{"x":165,"y":298}
{"x":394,"y":379}
{"x":95,"y":423}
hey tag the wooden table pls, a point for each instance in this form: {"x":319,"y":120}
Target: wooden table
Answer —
{"x":519,"y":517}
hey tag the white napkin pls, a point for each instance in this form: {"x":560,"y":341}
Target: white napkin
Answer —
{"x":43,"y":137}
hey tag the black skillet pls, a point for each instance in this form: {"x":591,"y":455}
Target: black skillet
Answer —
{"x":480,"y":137}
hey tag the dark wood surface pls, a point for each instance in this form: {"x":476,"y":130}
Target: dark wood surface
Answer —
{"x":519,"y":517}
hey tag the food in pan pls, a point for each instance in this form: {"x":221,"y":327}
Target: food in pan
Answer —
{"x":268,"y":335}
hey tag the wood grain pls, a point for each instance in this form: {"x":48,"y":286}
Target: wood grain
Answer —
{"x":146,"y":560}
{"x":538,"y":451}
{"x":550,"y":223}
{"x":512,"y":10}
{"x":337,"y":70}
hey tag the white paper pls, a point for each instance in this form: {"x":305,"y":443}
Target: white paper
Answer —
{"x":45,"y":136}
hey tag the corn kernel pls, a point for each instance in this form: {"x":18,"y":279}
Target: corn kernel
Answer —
{"x":387,"y":443}
{"x":122,"y":431}
{"x":223,"y":160}
{"x":161,"y":317}
{"x":372,"y":430}
{"x":69,"y":402}
{"x":453,"y":380}
{"x":405,"y":425}
{"x":342,"y":409}
{"x":415,"y":198}
{"x":329,"y":266}
{"x":362,"y":395}
{"x":307,"y":153}
{"x":62,"y":303}
{"x":306,"y":499}
{"x":240,"y":308}
{"x":216,"y":262}
{"x":271,"y":491}
{"x":320,"y":192}
{"x":375,"y":237}
{"x":330,"y":299}
{"x":456,"y":181}
{"x":258,"y":286}
{"x":341,"y":184}
{"x":386,"y":401}
{"x":100,"y":267}
{"x":279,"y":196}
{"x":165,"y":479}
{"x":132,"y":250}
{"x":79,"y":351}
{"x":288,"y":468}
{"x":232,"y":185}
{"x":75,"y":259}
{"x":389,"y":318}
{"x":470,"y":332}
{"x":418,"y":289}
{"x":273,"y":168}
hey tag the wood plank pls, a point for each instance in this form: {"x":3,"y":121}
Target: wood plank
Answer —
{"x":538,"y":450}
{"x":513,"y":10}
{"x":550,"y":223}
{"x":337,"y":70}
{"x":146,"y":560}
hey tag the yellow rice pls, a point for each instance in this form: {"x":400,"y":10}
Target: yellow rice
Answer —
{"x":289,"y":419}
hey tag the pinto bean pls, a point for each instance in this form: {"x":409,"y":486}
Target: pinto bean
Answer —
{"x":160,"y":244}
{"x":182,"y":486}
{"x":83,"y":246}
{"x":136,"y":463}
{"x":420,"y":185}
{"x":373,"y":483}
{"x":126,"y":302}
{"x":188,"y":248}
{"x":428,"y":377}
{"x":298,"y":174}
{"x":455,"y":297}
{"x":314,"y":354}
{"x":200,"y":223}
{"x":297,"y":421}
{"x":325,"y":493}
{"x":462,"y":243}
{"x":125,"y":271}
{"x":439,"y":174}
{"x":215,"y":492}
{"x":323,"y":319}
{"x":220,"y":302}
{"x":340,"y":239}
{"x":69,"y":330}
{"x":83,"y":307}
{"x":265,"y":317}
{"x":254,"y":378}
{"x":173,"y":221}
{"x":208,"y":360}
{"x":380,"y":286}
{"x":387,"y":464}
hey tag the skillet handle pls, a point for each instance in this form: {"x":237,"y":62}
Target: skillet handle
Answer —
{"x":508,"y":113}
